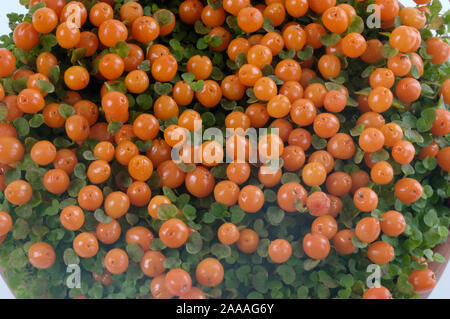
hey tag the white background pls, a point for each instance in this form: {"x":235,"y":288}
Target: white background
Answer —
{"x":442,"y":290}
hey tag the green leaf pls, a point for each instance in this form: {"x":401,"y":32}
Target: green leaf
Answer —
{"x":217,"y":74}
{"x":287,"y":55}
{"x":101,"y":217}
{"x":263,"y":247}
{"x":329,"y":40}
{"x":347,"y":280}
{"x":388,"y":51}
{"x":75,"y":186}
{"x":169,"y":193}
{"x":357,"y":243}
{"x":187,"y":168}
{"x":201,"y":44}
{"x":276,"y":79}
{"x":54,"y":74}
{"x":424,"y":125}
{"x":3,"y":111}
{"x":46,"y":86}
{"x":36,"y":121}
{"x":197,"y":86}
{"x":124,"y":178}
{"x":39,"y":230}
{"x":241,"y":59}
{"x":275,"y":215}
{"x":270,"y":196}
{"x":145,"y":101}
{"x":435,"y":7}
{"x":80,"y":170}
{"x":436,"y":23}
{"x":220,"y":251}
{"x":310,"y":264}
{"x":66,"y":110}
{"x":24,"y":211}
{"x":237,"y":214}
{"x":268,"y":25}
{"x":215,"y":4}
{"x":219,"y":210}
{"x":194,"y":243}
{"x":13,"y":174}
{"x":259,"y":281}
{"x":215,"y":41}
{"x":219,"y":171}
{"x":53,"y":209}
{"x":407,"y":169}
{"x":437,"y":257}
{"x":132,"y":219}
{"x":327,"y":280}
{"x":333,"y":86}
{"x":286,"y":273}
{"x":77,"y":55}
{"x":144,"y":146}
{"x":163,"y":88}
{"x":70,"y":257}
{"x":426,"y":90}
{"x":17,"y":259}
{"x":430,"y":163}
{"x":167,"y":211}
{"x":175,"y":44}
{"x":289,"y":177}
{"x":318,"y":143}
{"x":188,"y":77}
{"x":20,"y":229}
{"x":172,"y":262}
{"x":121,"y":48}
{"x":48,"y":41}
{"x":243,"y":272}
{"x":403,"y":285}
{"x":61,"y":142}
{"x":208,"y":218}
{"x":22,"y":126}
{"x":431,"y":219}
{"x":302,"y":292}
{"x":429,"y":114}
{"x":96,"y":291}
{"x":367,"y":71}
{"x":415,"y":71}
{"x":36,"y":7}
{"x":413,"y":136}
{"x":306,"y":53}
{"x":157,"y":244}
{"x":357,"y":130}
{"x":255,"y":295}
{"x":164,"y":17}
{"x":114,"y":127}
{"x":144,"y":66}
{"x":380,"y":155}
{"x":260,"y":228}
{"x":19,"y":84}
{"x":356,"y":25}
{"x":208,"y":119}
{"x":365,"y":91}
{"x":135,"y":251}
{"x":89,"y":156}
{"x":200,"y":28}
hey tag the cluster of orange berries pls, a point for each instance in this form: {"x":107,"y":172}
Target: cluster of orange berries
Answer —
{"x":295,"y":106}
